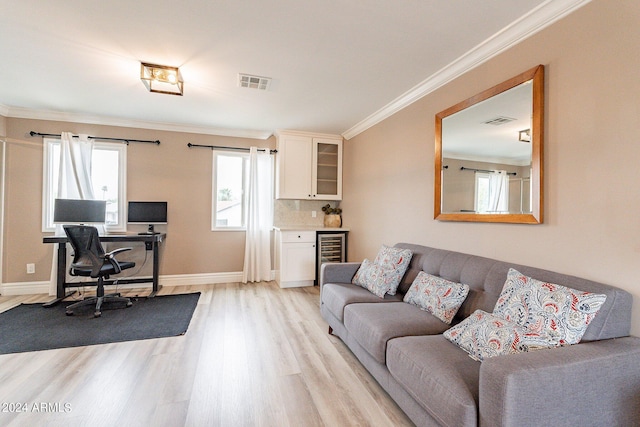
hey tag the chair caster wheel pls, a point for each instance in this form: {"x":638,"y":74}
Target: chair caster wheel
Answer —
{"x":129,"y":304}
{"x":97,"y":314}
{"x":69,"y":313}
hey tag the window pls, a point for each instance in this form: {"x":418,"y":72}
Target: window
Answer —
{"x":482,"y":192}
{"x":230,"y":175}
{"x":108,"y":174}
{"x":492,"y":193}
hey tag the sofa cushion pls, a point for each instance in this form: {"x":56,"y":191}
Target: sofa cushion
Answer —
{"x":562,"y":313}
{"x":442,"y":379}
{"x":395,"y":262}
{"x":373,"y":278}
{"x":384,"y":274}
{"x":485,"y":335}
{"x":372,"y":325}
{"x":438,"y":296}
{"x":336,"y":296}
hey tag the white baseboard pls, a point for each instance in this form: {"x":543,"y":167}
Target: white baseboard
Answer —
{"x":200,"y":279}
{"x":204,"y":279}
{"x":27,"y":288}
{"x":24,"y":288}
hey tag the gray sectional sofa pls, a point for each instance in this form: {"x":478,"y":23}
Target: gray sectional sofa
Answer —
{"x":593,"y":383}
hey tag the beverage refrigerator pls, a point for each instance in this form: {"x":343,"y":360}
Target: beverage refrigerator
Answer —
{"x":331,"y":247}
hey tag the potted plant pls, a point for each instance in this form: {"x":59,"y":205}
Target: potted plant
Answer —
{"x":332,"y":216}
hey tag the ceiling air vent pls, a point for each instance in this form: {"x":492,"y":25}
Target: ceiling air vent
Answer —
{"x":253,"y":82}
{"x":500,"y":120}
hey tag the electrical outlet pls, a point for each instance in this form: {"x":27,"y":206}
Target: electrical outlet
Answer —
{"x":313,"y":214}
{"x":31,"y":268}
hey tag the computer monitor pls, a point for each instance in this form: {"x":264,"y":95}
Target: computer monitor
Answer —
{"x":74,"y":211}
{"x":150,"y":213}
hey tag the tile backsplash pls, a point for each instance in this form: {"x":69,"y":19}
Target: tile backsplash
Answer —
{"x":299,"y":212}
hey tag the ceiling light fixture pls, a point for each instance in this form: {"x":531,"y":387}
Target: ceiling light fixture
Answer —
{"x":524,"y":135}
{"x":162,"y":79}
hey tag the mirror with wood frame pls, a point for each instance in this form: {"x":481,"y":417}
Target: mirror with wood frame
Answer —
{"x":489,"y":154}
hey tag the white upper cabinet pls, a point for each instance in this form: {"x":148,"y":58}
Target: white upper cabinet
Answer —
{"x":293,"y":167}
{"x":308,"y":166}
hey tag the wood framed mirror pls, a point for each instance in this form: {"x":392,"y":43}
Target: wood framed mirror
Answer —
{"x":489,"y":154}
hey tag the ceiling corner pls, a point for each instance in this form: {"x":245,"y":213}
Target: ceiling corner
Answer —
{"x":531,"y":23}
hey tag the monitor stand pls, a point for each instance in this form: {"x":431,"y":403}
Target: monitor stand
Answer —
{"x":150,"y":231}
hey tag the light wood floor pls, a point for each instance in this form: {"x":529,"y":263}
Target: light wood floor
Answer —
{"x":254,"y":355}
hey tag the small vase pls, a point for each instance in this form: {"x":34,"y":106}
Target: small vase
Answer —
{"x":332,"y":221}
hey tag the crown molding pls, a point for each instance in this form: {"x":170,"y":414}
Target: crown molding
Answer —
{"x":292,"y":132}
{"x":27,"y":113}
{"x":526,"y":26}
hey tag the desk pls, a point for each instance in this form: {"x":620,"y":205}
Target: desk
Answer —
{"x":152,"y":243}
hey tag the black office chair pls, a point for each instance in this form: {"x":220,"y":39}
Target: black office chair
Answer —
{"x":90,"y":259}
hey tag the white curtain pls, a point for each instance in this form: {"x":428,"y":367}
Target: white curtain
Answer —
{"x":499,"y":191}
{"x":74,"y":176}
{"x":257,"y":253}
{"x":74,"y":179}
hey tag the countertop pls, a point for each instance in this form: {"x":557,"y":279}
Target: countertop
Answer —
{"x":308,"y":228}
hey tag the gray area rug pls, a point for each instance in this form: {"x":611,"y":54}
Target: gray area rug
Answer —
{"x":31,"y":327}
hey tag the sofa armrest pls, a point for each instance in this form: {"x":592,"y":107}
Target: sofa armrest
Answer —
{"x":339,"y":272}
{"x":594,"y":383}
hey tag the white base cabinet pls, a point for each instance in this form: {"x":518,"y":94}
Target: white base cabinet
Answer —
{"x":295,"y":258}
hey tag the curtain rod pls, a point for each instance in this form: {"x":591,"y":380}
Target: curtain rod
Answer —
{"x":218,"y":147}
{"x":127,"y":141}
{"x":484,"y":170}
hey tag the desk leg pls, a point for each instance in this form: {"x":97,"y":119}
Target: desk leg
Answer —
{"x":156,"y":269}
{"x":62,"y":269}
{"x":61,"y":277}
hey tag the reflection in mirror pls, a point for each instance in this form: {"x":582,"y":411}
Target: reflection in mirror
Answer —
{"x":486,"y":162}
{"x":489,"y":154}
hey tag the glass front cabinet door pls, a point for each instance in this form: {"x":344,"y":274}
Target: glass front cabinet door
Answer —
{"x":326,"y":179}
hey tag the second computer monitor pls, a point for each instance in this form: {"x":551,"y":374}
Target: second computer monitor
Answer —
{"x":150,"y":213}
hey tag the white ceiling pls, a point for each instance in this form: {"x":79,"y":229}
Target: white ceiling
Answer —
{"x":467,"y":136}
{"x":338,"y":66}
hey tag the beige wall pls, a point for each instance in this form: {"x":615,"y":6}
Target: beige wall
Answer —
{"x":170,"y":171}
{"x":592,"y":173}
